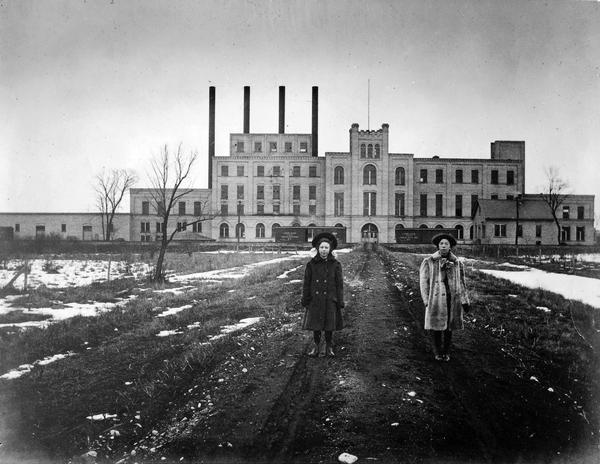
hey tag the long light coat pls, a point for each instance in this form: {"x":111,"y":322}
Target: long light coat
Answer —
{"x":323,"y":294}
{"x":433,"y":292}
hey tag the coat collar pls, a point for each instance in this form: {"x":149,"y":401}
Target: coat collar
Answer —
{"x":318,"y":259}
{"x":451,"y":256}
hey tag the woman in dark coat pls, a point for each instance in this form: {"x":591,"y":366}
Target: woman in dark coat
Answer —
{"x":444,"y":293}
{"x":322,"y":294}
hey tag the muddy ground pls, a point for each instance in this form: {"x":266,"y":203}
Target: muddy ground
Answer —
{"x":382,"y":398}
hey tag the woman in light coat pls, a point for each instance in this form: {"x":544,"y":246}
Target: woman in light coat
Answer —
{"x":323,"y":294}
{"x":444,"y":293}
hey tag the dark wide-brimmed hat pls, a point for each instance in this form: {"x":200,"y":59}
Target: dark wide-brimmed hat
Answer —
{"x":436,"y":239}
{"x":325,"y":237}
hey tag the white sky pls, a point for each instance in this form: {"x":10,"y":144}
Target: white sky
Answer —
{"x":91,"y":84}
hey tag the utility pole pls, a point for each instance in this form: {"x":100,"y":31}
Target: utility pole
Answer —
{"x":237,"y":227}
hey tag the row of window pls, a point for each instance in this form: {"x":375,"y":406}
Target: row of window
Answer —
{"x":565,"y":231}
{"x":181,"y":208}
{"x":275,"y":171}
{"x":370,"y":150}
{"x":40,"y":229}
{"x":258,"y":147}
{"x":276,"y":192}
{"x":276,"y":208}
{"x":195,"y":227}
{"x":459,"y":176}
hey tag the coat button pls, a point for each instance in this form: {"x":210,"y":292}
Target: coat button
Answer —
{"x":316,"y":293}
{"x":325,"y":281}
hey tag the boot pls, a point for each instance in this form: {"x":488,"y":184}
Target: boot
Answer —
{"x":315,"y":350}
{"x":329,"y":350}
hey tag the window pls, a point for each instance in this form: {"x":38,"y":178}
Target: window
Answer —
{"x":303,"y":147}
{"x":272,"y":147}
{"x":197,"y":208}
{"x":296,"y":209}
{"x":312,"y":192}
{"x":288,"y":147}
{"x":296,"y":192}
{"x":181,"y":226}
{"x":370,"y":150}
{"x":363,"y":150}
{"x":460,"y":232}
{"x":580,"y":212}
{"x":494,"y":176}
{"x":181,"y":210}
{"x":474,"y":199}
{"x":423,"y":176}
{"x":565,"y":212}
{"x":458,"y":176}
{"x":423,"y":205}
{"x":494,"y":196}
{"x":538,"y":230}
{"x":260,"y":230}
{"x":338,"y":204}
{"x":377,"y":151}
{"x":260,"y":192}
{"x":240,"y":192}
{"x":160,"y":208}
{"x":580,"y":234}
{"x":510,"y":197}
{"x":400,"y":176}
{"x":312,"y":209}
{"x":240,"y":171}
{"x":276,"y":192}
{"x":240,"y":209}
{"x":145,"y":208}
{"x":17,"y":227}
{"x":369,"y":204}
{"x":312,"y":171}
{"x":273,"y":227}
{"x":260,"y":171}
{"x":566,"y":234}
{"x":224,"y":209}
{"x":224,"y":192}
{"x":224,"y":171}
{"x":520,"y":230}
{"x":276,"y":171}
{"x":145,"y":227}
{"x":458,"y":212}
{"x":276,"y":208}
{"x":474,"y":176}
{"x":197,"y":227}
{"x":63,"y":228}
{"x":510,"y":177}
{"x":260,"y":208}
{"x":439,"y":176}
{"x":296,"y":171}
{"x":240,"y":147}
{"x":369,"y":175}
{"x":399,"y":205}
{"x":258,"y":147}
{"x":224,"y":231}
{"x":160,"y":227}
{"x":499,"y":230}
{"x":439,"y":201}
{"x":338,"y":175}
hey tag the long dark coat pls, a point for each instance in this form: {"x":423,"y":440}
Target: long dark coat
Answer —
{"x":323,"y":294}
{"x":433,"y":292}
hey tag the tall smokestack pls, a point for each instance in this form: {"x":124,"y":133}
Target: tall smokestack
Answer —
{"x":246,"y":109}
{"x":281,"y":109}
{"x":211,"y":132}
{"x":315,"y":121}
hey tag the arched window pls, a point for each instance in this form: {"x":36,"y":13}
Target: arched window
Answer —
{"x":370,"y":150}
{"x":423,"y":226}
{"x":377,"y":151}
{"x":224,"y":231}
{"x":460,"y":231}
{"x":295,"y":224}
{"x":400,"y":176}
{"x":369,"y":175}
{"x":369,"y":231}
{"x":240,"y":231}
{"x":338,"y":225}
{"x":363,"y":150}
{"x":471,"y":232}
{"x":439,"y":226}
{"x":338,"y":175}
{"x":273,"y":227}
{"x":397,"y":231}
{"x":260,"y":230}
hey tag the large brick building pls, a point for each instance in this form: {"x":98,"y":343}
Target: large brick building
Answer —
{"x":268,"y":180}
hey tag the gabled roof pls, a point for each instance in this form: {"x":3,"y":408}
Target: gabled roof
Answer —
{"x":529,"y":209}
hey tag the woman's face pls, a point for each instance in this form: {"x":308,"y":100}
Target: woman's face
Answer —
{"x":324,"y":248}
{"x":444,"y":246}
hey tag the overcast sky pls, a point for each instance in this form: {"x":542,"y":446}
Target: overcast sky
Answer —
{"x":87,"y":85}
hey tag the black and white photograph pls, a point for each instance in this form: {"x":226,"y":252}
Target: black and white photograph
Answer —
{"x":299,"y":231}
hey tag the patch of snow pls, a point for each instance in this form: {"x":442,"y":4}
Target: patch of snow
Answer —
{"x":172,"y":311}
{"x":543,"y":308}
{"x":412,"y":394}
{"x":176,"y":290}
{"x":286,"y":273}
{"x":294,"y":281}
{"x":99,"y":417}
{"x":347,"y":458}
{"x":26,"y":368}
{"x":584,"y":289}
{"x":166,"y":333}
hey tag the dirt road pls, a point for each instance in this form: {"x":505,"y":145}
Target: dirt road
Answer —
{"x":382,"y":398}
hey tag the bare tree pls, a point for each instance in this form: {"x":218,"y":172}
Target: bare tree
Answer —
{"x":554,"y":194}
{"x":169,"y":177}
{"x":110,"y":190}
